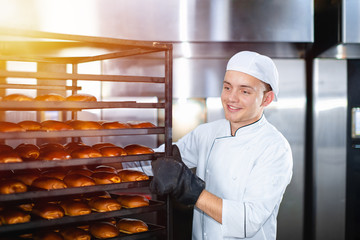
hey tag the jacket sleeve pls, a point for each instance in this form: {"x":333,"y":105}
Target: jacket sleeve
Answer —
{"x":265,"y":188}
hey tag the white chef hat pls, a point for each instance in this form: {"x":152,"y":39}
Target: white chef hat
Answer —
{"x":258,"y":66}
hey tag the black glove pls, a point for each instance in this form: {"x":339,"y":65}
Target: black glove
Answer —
{"x":172,"y":176}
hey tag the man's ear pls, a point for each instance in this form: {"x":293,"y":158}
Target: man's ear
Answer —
{"x":268,"y":98}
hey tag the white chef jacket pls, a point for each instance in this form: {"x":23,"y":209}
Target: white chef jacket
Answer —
{"x":249,"y":171}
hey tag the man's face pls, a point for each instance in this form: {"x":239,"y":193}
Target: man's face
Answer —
{"x":242,"y":98}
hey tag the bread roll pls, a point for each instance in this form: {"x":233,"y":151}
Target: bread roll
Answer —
{"x":27,"y":207}
{"x":28,"y":151}
{"x":114,"y":125}
{"x":71,"y":146}
{"x":26,"y":178}
{"x":55,"y":173}
{"x":5,"y":147}
{"x":112,"y":151}
{"x":48,"y":183}
{"x":78,"y":180}
{"x":105,"y":168}
{"x":85,"y":125}
{"x":10,"y":127}
{"x":102,"y":230}
{"x":53,"y":155}
{"x":135,"y":149}
{"x":9,"y":186}
{"x":141,"y":124}
{"x":82,"y":97}
{"x":9,"y":157}
{"x":30,"y":125}
{"x":81,"y":171}
{"x":48,"y":210}
{"x":73,"y":233}
{"x":50,"y":97}
{"x":53,"y":125}
{"x":132,"y":175}
{"x":98,"y":146}
{"x":51,"y":146}
{"x":86,"y":152}
{"x":14,"y":216}
{"x":132,"y":201}
{"x":75,"y":208}
{"x":47,"y":235}
{"x":17,"y":97}
{"x":105,"y":178}
{"x":101,"y":204}
{"x":130,"y":226}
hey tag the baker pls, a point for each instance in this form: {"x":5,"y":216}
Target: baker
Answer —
{"x":243,"y":163}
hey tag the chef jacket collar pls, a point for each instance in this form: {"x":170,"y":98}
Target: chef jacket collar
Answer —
{"x":248,"y":128}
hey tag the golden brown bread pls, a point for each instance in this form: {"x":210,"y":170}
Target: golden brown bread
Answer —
{"x":51,"y":146}
{"x":82,"y":97}
{"x":9,"y":157}
{"x":112,"y":151}
{"x":53,"y":125}
{"x":53,"y":155}
{"x":48,"y":183}
{"x":74,"y":233}
{"x":84,"y":125}
{"x":17,"y":97}
{"x":127,"y":175}
{"x":82,"y":171}
{"x":101,"y":204}
{"x":98,"y":146}
{"x":132,"y":201}
{"x":134,"y":149}
{"x":105,"y":178}
{"x":105,"y":168}
{"x":9,"y":186}
{"x":47,"y":235}
{"x":71,"y":146}
{"x":50,"y":97}
{"x":28,"y":151}
{"x":10,"y":127}
{"x":115,"y":125}
{"x":85,"y":152}
{"x":55,"y":173}
{"x":78,"y":180}
{"x":5,"y":147}
{"x":75,"y":208}
{"x":141,"y":124}
{"x":30,"y":125}
{"x":103,"y":230}
{"x":26,"y":177}
{"x":48,"y":210}
{"x":27,"y":207}
{"x":130,"y":226}
{"x":14,"y":216}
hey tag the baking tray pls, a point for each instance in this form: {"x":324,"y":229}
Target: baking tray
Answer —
{"x":81,"y":133}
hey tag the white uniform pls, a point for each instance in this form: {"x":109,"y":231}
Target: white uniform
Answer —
{"x":249,"y":171}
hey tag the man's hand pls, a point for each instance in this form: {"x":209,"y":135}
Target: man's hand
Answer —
{"x":172,"y":176}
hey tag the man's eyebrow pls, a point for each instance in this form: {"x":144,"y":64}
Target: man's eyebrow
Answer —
{"x":242,"y":86}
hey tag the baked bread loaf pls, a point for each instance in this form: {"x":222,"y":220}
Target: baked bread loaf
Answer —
{"x":114,"y":125}
{"x":48,"y":210}
{"x":27,"y":207}
{"x":127,"y":175}
{"x":28,"y":151}
{"x":26,"y":177}
{"x":84,"y":125}
{"x":85,"y":152}
{"x":53,"y":125}
{"x":78,"y":180}
{"x":9,"y":186}
{"x":53,"y":155}
{"x":30,"y":125}
{"x":17,"y":97}
{"x":141,"y":125}
{"x":50,"y":97}
{"x":132,"y":201}
{"x":112,"y":151}
{"x":51,"y":146}
{"x":105,"y":178}
{"x":82,"y":97}
{"x":75,"y":208}
{"x":9,"y":157}
{"x":74,"y":233}
{"x":14,"y":216}
{"x":98,"y":146}
{"x":130,"y":226}
{"x":55,"y":173}
{"x":101,"y":204}
{"x":10,"y":127}
{"x":135,"y":149}
{"x":103,"y":230}
{"x":48,"y":183}
{"x":105,"y":168}
{"x":5,"y":147}
{"x":71,"y":146}
{"x":82,"y":171}
{"x":47,"y":235}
